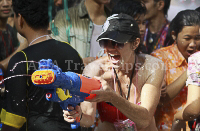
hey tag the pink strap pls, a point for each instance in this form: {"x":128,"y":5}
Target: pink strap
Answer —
{"x":113,"y":74}
{"x":135,"y":87}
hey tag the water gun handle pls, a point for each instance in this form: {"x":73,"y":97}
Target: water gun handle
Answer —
{"x":75,"y":124}
{"x":64,"y":106}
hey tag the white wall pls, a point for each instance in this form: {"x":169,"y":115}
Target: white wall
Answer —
{"x":178,"y":5}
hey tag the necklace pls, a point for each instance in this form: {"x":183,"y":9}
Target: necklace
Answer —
{"x":37,"y":39}
{"x":119,"y":83}
{"x":151,"y":40}
{"x":159,"y":40}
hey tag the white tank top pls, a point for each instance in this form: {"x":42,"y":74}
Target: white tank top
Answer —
{"x":94,"y":45}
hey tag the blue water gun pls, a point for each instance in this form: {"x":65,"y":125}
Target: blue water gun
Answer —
{"x":66,"y":88}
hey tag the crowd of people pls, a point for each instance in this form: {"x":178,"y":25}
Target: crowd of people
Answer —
{"x":148,"y":66}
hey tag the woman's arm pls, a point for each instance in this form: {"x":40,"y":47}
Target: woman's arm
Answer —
{"x":89,"y":111}
{"x":173,"y":89}
{"x":192,"y":108}
{"x":143,"y":114}
{"x":170,"y":91}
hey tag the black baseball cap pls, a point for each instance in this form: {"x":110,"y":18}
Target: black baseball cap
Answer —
{"x":119,"y":28}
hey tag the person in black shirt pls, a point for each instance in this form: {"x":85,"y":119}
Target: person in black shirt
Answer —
{"x":8,"y":39}
{"x":26,"y":105}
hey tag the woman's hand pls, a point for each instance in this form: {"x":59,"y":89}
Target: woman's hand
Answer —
{"x":104,"y":94}
{"x":71,"y":116}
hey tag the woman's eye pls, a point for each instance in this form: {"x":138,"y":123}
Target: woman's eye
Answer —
{"x":144,"y":23}
{"x":197,"y":38}
{"x":187,"y":39}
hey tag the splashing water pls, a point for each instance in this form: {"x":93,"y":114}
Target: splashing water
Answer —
{"x":13,"y":70}
{"x":21,"y":62}
{"x":12,"y":77}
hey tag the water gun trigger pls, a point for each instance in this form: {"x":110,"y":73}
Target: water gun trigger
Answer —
{"x":63,"y":95}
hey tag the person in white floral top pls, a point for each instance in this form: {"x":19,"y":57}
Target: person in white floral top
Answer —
{"x":192,"y":108}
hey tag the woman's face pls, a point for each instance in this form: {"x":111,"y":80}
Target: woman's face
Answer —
{"x":188,"y":40}
{"x":142,"y":25}
{"x":118,"y":56}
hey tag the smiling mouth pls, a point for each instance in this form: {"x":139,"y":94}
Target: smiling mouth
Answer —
{"x":190,"y":52}
{"x":114,"y":58}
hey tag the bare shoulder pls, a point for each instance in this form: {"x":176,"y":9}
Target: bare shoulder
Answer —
{"x":151,"y":70}
{"x":148,"y":59}
{"x":149,"y":63}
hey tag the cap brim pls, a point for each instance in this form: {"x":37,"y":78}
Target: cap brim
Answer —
{"x":114,"y":36}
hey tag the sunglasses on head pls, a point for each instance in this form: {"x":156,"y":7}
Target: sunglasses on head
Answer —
{"x":108,"y":43}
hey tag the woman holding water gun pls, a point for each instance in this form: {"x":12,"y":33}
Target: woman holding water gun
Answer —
{"x":131,"y":82}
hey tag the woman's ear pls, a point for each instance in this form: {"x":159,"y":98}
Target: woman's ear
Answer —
{"x":136,"y":43}
{"x":173,"y":34}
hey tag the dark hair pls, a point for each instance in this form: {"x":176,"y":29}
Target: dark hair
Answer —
{"x":166,"y":6}
{"x":134,"y":8}
{"x":198,"y":9}
{"x":183,"y":18}
{"x":35,"y":12}
{"x":129,"y":7}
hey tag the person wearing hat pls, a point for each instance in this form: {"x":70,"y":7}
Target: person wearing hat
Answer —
{"x":131,"y":82}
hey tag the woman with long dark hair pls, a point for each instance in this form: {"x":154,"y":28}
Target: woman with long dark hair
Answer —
{"x":185,"y":36}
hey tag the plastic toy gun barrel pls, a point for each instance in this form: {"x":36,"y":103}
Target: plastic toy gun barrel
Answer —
{"x":67,"y":88}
